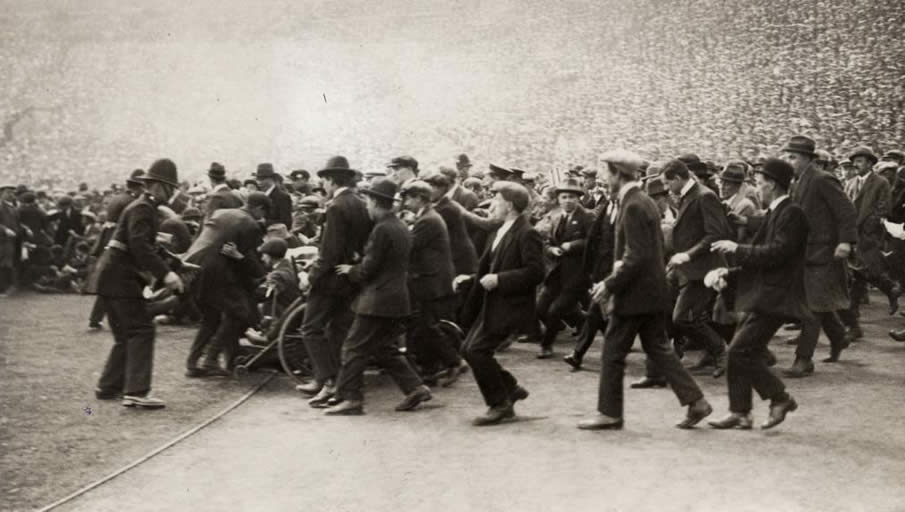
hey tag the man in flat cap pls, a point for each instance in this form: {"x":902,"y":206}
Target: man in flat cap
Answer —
{"x":636,"y":300}
{"x":402,"y":169}
{"x":593,"y":193}
{"x":833,"y":231}
{"x":501,"y":300}
{"x":457,"y":192}
{"x":301,"y":181}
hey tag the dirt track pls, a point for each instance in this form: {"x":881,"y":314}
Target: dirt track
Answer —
{"x":843,"y":450}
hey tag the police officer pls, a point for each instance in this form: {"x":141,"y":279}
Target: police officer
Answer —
{"x":128,"y":262}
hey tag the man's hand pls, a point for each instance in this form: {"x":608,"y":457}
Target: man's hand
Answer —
{"x":342,"y":270}
{"x":556,"y":252}
{"x":231,"y":251}
{"x":716,"y":278}
{"x":460,"y":280}
{"x":724,"y":247}
{"x":598,"y":292}
{"x":28,"y":231}
{"x":10,"y":233}
{"x":565,"y":246}
{"x":843,"y":251}
{"x":490,"y":282}
{"x":173,"y":283}
{"x":679,"y":258}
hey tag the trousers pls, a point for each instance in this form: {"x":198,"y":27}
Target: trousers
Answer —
{"x":747,"y":368}
{"x":324,"y":329}
{"x":131,"y":360}
{"x":496,"y":384}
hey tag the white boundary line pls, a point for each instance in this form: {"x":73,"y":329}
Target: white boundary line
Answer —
{"x":157,"y":451}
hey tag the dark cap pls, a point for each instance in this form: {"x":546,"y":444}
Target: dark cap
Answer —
{"x":438,"y":179}
{"x":275,"y":247}
{"x":864,"y":151}
{"x":693,"y":163}
{"x":257,"y":198}
{"x":463,"y":161}
{"x":735,"y":172}
{"x":570,"y":186}
{"x":655,"y":187}
{"x":299,"y":173}
{"x":135,"y":177}
{"x":217,"y":171}
{"x":896,"y":155}
{"x":403,"y":161}
{"x":417,"y":188}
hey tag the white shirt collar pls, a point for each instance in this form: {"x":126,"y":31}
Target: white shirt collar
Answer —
{"x":731,"y":198}
{"x":269,"y":190}
{"x":776,"y":202}
{"x":339,"y":191}
{"x":686,"y":188}
{"x":625,"y":188}
{"x":502,"y":232}
{"x":220,"y":187}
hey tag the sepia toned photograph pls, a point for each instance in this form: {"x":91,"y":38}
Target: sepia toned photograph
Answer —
{"x":460,"y":255}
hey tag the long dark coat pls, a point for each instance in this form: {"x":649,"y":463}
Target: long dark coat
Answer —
{"x":430,"y":272}
{"x":568,"y":268}
{"x":382,"y":273}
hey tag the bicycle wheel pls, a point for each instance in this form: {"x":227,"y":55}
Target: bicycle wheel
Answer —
{"x":292,"y":352}
{"x":453,"y":332}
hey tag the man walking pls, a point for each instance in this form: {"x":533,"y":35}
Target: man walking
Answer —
{"x":637,"y":301}
{"x":770,"y":292}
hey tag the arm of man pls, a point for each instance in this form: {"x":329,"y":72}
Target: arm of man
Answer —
{"x":638,"y":238}
{"x":142,"y":234}
{"x":375,"y":254}
{"x":841,"y":208}
{"x":790,"y":232}
{"x":716,"y":226}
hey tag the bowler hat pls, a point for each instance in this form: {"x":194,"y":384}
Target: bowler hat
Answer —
{"x":734,"y":173}
{"x":383,"y":188}
{"x":217,"y":171}
{"x":164,"y":171}
{"x":296,"y":174}
{"x":800,"y":144}
{"x":778,"y":170}
{"x":403,"y":161}
{"x":265,"y":171}
{"x":463,"y":161}
{"x":337,"y":165}
{"x":417,"y":188}
{"x":569,"y":186}
{"x":135,"y":177}
{"x":655,"y":187}
{"x":865,"y":152}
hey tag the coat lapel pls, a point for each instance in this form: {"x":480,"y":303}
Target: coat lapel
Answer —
{"x":693,"y":191}
{"x":504,"y":243}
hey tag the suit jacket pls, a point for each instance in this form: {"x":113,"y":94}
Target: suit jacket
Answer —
{"x":70,"y":219}
{"x":770,"y":272}
{"x":590,"y":201}
{"x":119,"y":270}
{"x":597,"y":258}
{"x":280,"y":208}
{"x":430,"y":272}
{"x":872,"y":203}
{"x":637,"y":285}
{"x":464,"y":255}
{"x":699,"y":223}
{"x":465,"y":197}
{"x":9,"y":245}
{"x":343,"y":238}
{"x":519,"y":266}
{"x":832,"y":219}
{"x":222,"y":198}
{"x":226,"y":284}
{"x":35,"y":218}
{"x":382,"y":274}
{"x":568,"y":268}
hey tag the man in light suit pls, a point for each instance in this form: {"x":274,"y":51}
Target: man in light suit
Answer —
{"x":637,"y":301}
{"x":769,"y":292}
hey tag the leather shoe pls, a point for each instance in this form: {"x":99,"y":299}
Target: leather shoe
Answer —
{"x":320,"y":400}
{"x":855,"y":333}
{"x":733,"y":420}
{"x":346,"y":408}
{"x":495,"y":415}
{"x":419,"y":395}
{"x":311,"y":387}
{"x":696,"y":412}
{"x":449,"y":376}
{"x":778,"y":411}
{"x":545,"y":353}
{"x":196,"y":373}
{"x":704,"y":363}
{"x":800,"y":368}
{"x":102,"y":394}
{"x":601,"y":422}
{"x":145,"y":402}
{"x":519,"y":393}
{"x":648,"y":382}
{"x":575,"y":362}
{"x":216,"y":371}
{"x":898,"y":335}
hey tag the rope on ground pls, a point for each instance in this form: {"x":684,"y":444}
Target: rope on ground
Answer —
{"x":160,"y":449}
